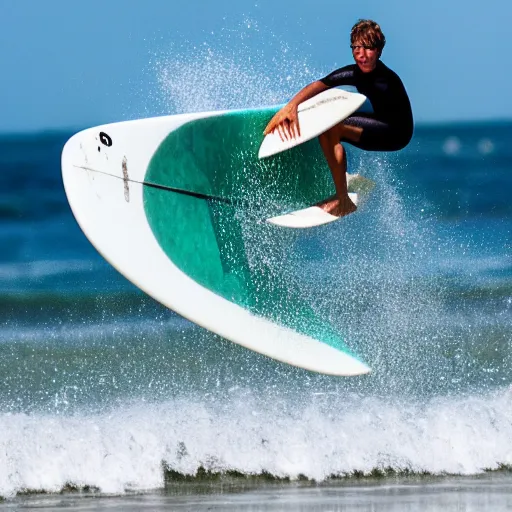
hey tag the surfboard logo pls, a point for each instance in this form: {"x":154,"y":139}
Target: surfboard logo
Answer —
{"x":105,"y":139}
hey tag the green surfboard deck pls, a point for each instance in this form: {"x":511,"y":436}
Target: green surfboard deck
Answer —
{"x":221,"y":246}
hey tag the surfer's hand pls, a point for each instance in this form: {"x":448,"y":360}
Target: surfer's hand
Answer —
{"x":286,"y":122}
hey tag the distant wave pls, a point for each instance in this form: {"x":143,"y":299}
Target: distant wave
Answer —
{"x":43,"y":268}
{"x":72,"y":334}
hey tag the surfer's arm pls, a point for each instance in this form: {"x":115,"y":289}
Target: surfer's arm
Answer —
{"x":286,"y":121}
{"x":308,"y":92}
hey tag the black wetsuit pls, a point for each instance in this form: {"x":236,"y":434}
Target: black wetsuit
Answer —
{"x":390,"y":126}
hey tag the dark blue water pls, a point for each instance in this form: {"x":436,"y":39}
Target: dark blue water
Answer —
{"x":100,"y":385}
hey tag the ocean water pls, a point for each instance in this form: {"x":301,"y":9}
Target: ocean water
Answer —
{"x":102,"y":388}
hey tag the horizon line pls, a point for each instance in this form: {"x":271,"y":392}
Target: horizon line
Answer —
{"x":421,"y":124}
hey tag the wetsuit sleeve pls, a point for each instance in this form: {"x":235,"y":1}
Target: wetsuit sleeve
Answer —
{"x":342,"y":76}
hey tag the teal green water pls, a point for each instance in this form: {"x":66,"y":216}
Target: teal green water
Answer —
{"x":213,"y":242}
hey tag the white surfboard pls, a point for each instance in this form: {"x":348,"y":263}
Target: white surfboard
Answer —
{"x":112,"y":181}
{"x":307,"y":217}
{"x":313,"y":216}
{"x":316,"y":116}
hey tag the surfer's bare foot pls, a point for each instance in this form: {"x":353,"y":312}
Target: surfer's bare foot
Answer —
{"x":338,"y":207}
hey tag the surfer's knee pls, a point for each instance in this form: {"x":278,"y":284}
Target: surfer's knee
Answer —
{"x":339,"y":152}
{"x":330,"y":143}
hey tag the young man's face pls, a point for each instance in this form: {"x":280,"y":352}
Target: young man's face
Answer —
{"x":366,"y":57}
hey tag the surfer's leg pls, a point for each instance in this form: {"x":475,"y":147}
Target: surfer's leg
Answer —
{"x":334,"y":152}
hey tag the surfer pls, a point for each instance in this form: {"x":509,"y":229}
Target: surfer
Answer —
{"x":388,"y":128}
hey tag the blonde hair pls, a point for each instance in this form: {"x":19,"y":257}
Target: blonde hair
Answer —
{"x":368,"y":33}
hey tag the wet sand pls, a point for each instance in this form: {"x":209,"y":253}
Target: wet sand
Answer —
{"x":490,"y":492}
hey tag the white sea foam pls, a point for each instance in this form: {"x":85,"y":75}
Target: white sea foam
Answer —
{"x":318,"y":436}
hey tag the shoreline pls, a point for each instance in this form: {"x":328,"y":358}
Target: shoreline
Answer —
{"x":205,"y":481}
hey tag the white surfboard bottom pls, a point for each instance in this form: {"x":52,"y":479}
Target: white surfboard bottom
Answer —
{"x":307,"y":217}
{"x":315,"y":116}
{"x":359,"y":187}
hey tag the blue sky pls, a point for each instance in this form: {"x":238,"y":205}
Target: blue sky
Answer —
{"x":70,"y":64}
